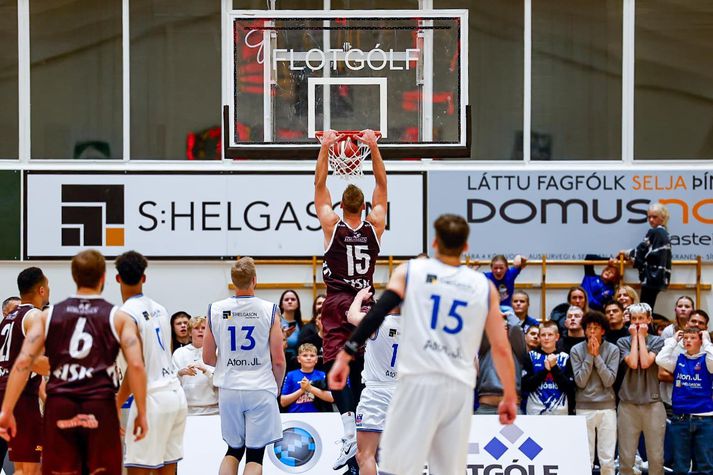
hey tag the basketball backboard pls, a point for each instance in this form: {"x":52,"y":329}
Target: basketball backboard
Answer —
{"x":289,"y":73}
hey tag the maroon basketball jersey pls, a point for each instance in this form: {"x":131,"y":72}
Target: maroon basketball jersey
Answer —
{"x":350,"y":258}
{"x":82,"y":347}
{"x":11,"y":338}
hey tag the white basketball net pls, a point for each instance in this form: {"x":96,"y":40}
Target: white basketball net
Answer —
{"x":340,"y":160}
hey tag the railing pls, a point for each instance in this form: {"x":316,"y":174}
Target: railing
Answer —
{"x":543,"y":285}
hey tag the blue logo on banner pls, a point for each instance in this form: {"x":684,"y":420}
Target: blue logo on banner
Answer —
{"x":298,"y":450}
{"x":512,"y":433}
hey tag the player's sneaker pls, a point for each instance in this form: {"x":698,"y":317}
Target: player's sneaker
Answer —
{"x":346,"y":451}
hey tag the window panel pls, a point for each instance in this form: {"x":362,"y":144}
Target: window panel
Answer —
{"x":8,"y":80}
{"x":576,"y":80}
{"x":673,"y":100}
{"x":495,"y":71}
{"x":175,"y":79}
{"x":75,"y":53}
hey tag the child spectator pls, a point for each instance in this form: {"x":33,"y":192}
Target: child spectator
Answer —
{"x":291,"y":310}
{"x":180,"y":336}
{"x":626,"y":296}
{"x":614,"y":312}
{"x":504,"y":277}
{"x":689,"y":356}
{"x":196,"y":377}
{"x":548,"y":376}
{"x":532,"y":337}
{"x":594,"y":365}
{"x":640,"y":408}
{"x":299,"y":391}
{"x":573,"y":326}
{"x":599,"y":288}
{"x":576,"y":296}
{"x":521,"y":307}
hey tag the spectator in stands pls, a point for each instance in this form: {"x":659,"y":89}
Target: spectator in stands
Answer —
{"x":548,"y":375}
{"x":306,"y":386}
{"x":490,"y":389}
{"x":599,"y":288}
{"x":652,"y":256}
{"x":640,"y":408}
{"x":682,"y":311}
{"x":594,"y":365}
{"x":576,"y":296}
{"x":614,"y":312}
{"x":196,"y":377}
{"x":660,"y":323}
{"x":626,"y":295}
{"x":291,"y":310}
{"x":699,"y":319}
{"x":689,"y":357}
{"x":504,"y":277}
{"x":574,"y":331}
{"x":180,"y":336}
{"x":521,"y":307}
{"x":532,"y":337}
{"x":9,"y":305}
{"x":310,"y":333}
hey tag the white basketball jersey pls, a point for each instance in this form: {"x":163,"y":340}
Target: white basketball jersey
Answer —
{"x":241,"y":328}
{"x":381,"y":352}
{"x":155,"y":330}
{"x":444,"y":312}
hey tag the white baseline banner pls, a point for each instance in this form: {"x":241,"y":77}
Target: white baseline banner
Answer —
{"x":534,"y":445}
{"x":201,"y":215}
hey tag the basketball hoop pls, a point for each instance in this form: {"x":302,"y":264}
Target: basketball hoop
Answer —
{"x":346,"y":157}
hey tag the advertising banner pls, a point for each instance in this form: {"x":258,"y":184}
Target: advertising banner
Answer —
{"x":568,"y":214}
{"x":201,"y":215}
{"x":531,"y":446}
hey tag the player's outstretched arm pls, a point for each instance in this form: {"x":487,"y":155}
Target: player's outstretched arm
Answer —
{"x":135,"y":371}
{"x":354,"y":314}
{"x":29,"y":353}
{"x":379,"y":199}
{"x":277,"y":354}
{"x":502,"y":358}
{"x":322,"y":198}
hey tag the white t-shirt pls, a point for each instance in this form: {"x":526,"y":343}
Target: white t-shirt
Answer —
{"x":201,"y":395}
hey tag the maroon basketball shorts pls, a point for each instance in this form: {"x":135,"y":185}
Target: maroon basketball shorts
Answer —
{"x":81,"y":431}
{"x":337,"y":329}
{"x":26,"y":446}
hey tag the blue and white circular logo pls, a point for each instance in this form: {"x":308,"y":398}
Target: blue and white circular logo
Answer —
{"x":299,"y":450}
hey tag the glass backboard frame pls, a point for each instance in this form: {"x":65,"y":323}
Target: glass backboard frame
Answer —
{"x":270,"y":149}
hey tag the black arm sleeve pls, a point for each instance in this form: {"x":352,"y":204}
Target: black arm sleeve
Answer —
{"x":372,"y":320}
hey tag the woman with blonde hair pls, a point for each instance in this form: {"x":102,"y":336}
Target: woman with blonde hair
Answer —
{"x":652,"y":257}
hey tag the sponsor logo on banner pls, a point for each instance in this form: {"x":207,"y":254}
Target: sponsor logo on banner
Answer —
{"x":298,"y":450}
{"x":201,"y":215}
{"x":568,"y":214}
{"x":92,"y":215}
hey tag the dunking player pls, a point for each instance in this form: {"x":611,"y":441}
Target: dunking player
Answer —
{"x":166,"y":405}
{"x":445,"y":308}
{"x":25,"y":449}
{"x":81,"y":336}
{"x":243,"y":341}
{"x":379,"y":376}
{"x":351,"y":246}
